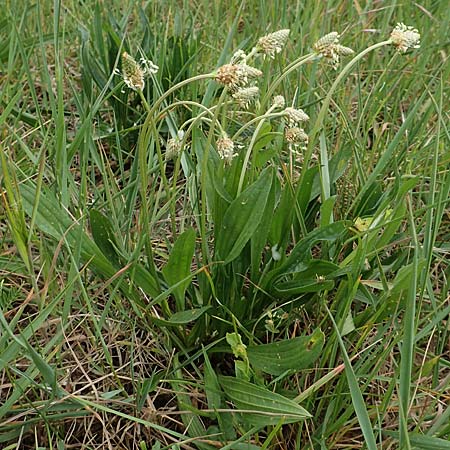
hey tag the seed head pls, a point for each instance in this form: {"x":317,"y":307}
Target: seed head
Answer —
{"x":246,"y":96}
{"x":174,"y":145}
{"x":328,"y":47}
{"x":296,"y":136}
{"x":343,"y":51}
{"x":250,"y":72}
{"x":235,"y":76}
{"x":231,"y":75}
{"x":225,"y":148}
{"x":324,"y":44}
{"x":239,"y":57}
{"x":132,"y":72}
{"x":279,"y":101}
{"x":272,"y":43}
{"x":295,"y":116}
{"x":404,"y":37}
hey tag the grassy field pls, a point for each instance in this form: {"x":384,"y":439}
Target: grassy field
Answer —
{"x":213,"y":236}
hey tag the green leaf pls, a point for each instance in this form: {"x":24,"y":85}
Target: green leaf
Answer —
{"x":304,"y":195}
{"x":301,"y":252}
{"x":182,"y":317}
{"x":357,"y":398}
{"x":289,"y":354}
{"x":264,"y":137}
{"x":178,"y":268}
{"x":237,"y":346}
{"x":261,"y":407}
{"x":421,"y":442}
{"x":259,"y":239}
{"x":282,"y":218}
{"x":326,"y":210}
{"x":243,"y":217}
{"x":312,"y":276}
{"x":348,"y":326}
{"x":103,"y":234}
{"x":53,"y":220}
{"x":265,"y":155}
{"x":216,"y":400}
{"x":212,"y":387}
{"x":302,"y":286}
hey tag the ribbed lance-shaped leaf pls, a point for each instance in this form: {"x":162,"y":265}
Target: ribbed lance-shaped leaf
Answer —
{"x":314,"y":276}
{"x":259,"y":239}
{"x":295,"y":262}
{"x":423,"y":442}
{"x":243,"y":217}
{"x":261,"y":407}
{"x":53,"y":220}
{"x":302,"y":286}
{"x":282,"y":218}
{"x":103,"y":234}
{"x":178,"y":268}
{"x":189,"y":315}
{"x":290,"y":354}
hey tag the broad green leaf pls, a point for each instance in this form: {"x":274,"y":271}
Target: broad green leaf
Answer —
{"x":216,"y":400}
{"x":265,"y":155}
{"x":260,"y":406}
{"x":103,"y":234}
{"x":304,"y":190}
{"x":243,"y":217}
{"x":312,"y":276}
{"x":212,"y":386}
{"x":326,"y":211}
{"x":301,"y":286}
{"x":282,"y":218}
{"x":287,"y":355}
{"x":178,"y":268}
{"x":301,"y":252}
{"x":264,"y":137}
{"x":423,"y":442}
{"x":259,"y":239}
{"x":182,"y":317}
{"x":53,"y":220}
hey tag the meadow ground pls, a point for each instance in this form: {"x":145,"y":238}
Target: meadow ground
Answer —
{"x":224,"y":225}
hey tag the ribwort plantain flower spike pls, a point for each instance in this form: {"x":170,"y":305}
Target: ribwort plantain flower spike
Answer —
{"x":329,"y":47}
{"x":239,"y":57}
{"x":231,"y":75}
{"x":279,"y":101}
{"x":246,"y":96}
{"x":235,"y":76}
{"x":225,"y":148}
{"x":296,"y":136}
{"x":295,"y":116}
{"x":272,"y":43}
{"x":174,"y":145}
{"x":404,"y":37}
{"x":133,"y":73}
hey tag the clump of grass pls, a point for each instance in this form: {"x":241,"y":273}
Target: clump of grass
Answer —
{"x":181,"y":267}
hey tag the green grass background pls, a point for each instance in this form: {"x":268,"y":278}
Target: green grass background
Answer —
{"x":115,"y":303}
